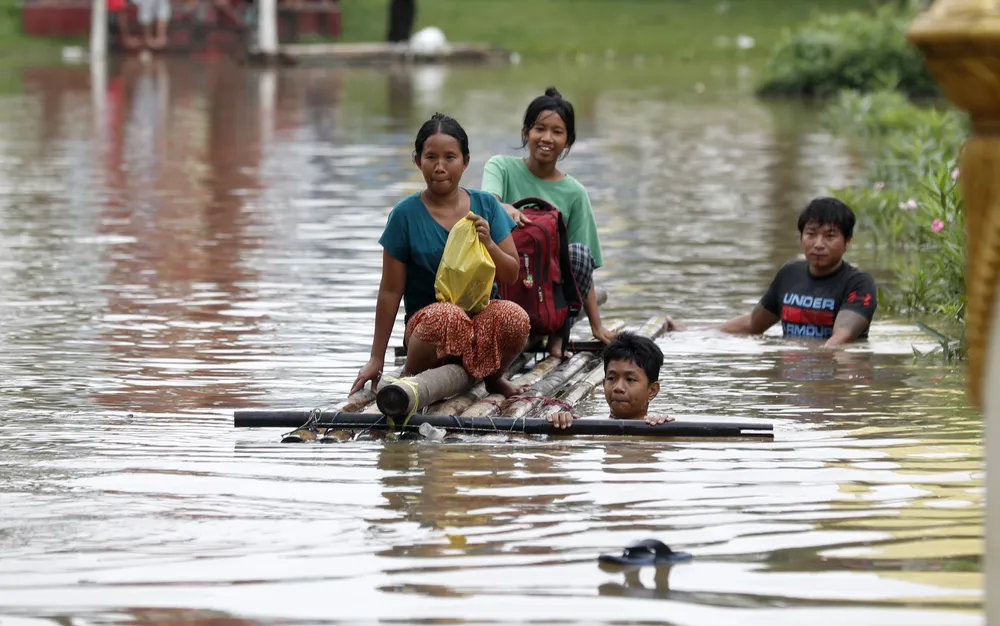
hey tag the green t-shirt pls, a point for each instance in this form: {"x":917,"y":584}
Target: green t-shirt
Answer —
{"x":509,"y":178}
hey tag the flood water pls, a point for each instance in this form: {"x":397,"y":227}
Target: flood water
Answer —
{"x":185,"y":239}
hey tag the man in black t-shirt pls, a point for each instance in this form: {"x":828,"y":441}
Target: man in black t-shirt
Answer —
{"x":821,"y":297}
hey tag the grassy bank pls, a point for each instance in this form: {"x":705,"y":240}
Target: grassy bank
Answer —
{"x":673,"y":29}
{"x":689,"y":29}
{"x":14,"y":44}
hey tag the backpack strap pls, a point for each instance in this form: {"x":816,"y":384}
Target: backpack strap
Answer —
{"x":537,"y":203}
{"x":571,"y":292}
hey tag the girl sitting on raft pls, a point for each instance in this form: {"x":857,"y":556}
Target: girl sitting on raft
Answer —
{"x":413,"y":242}
{"x":549,"y":131}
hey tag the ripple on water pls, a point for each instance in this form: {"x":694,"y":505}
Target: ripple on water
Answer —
{"x":173,"y":267}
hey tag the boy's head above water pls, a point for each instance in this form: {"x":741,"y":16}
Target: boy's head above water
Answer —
{"x":631,"y":375}
{"x":826,"y":226}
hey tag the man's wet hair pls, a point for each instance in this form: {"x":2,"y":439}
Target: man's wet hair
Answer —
{"x":828,"y":211}
{"x":642,"y":351}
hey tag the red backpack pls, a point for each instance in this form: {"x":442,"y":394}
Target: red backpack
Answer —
{"x":545,"y":287}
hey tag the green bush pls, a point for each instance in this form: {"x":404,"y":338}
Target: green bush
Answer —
{"x":853,"y":50}
{"x":910,"y":202}
{"x":885,"y":112}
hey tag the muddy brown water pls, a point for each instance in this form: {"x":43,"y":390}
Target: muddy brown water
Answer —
{"x":190,"y":238}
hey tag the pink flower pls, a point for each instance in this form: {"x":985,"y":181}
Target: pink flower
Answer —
{"x":879,"y":186}
{"x":909,"y":205}
{"x":937,"y":226}
{"x":954,"y":174}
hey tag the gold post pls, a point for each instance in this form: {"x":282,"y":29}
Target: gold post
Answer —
{"x":960,"y":41}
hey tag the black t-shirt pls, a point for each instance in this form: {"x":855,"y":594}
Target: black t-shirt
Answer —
{"x":808,"y":305}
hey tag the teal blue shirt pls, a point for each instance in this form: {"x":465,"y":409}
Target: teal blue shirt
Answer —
{"x":412,"y":236}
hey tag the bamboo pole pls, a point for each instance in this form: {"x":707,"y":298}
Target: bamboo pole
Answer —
{"x":357,"y":402}
{"x":456,"y":404}
{"x":409,"y":395}
{"x":596,"y":426}
{"x":452,"y":406}
{"x":959,"y":40}
{"x":439,"y":389}
{"x":491,"y":404}
{"x":582,"y":389}
{"x":522,"y":405}
{"x":430,"y":387}
{"x":363,"y":398}
{"x":574,"y":379}
{"x":576,"y":392}
{"x":521,"y":408}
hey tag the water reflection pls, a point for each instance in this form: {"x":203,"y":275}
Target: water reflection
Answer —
{"x":633,"y":586}
{"x":184,"y":238}
{"x":449,"y":495}
{"x":183,"y":162}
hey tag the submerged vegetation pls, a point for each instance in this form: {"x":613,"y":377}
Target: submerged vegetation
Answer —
{"x":911,"y":201}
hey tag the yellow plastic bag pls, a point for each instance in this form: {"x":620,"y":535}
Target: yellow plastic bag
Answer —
{"x":466,"y":272}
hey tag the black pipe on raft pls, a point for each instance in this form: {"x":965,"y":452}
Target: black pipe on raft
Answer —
{"x":295,"y":418}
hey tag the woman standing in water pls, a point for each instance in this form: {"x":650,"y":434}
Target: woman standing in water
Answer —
{"x":549,"y":131}
{"x":413,"y":242}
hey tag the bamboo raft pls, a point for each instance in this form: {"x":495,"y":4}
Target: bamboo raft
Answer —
{"x":448,"y":398}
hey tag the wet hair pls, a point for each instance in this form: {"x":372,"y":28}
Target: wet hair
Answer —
{"x":441,"y":123}
{"x":640,"y":350}
{"x":828,"y":211}
{"x":552,"y":100}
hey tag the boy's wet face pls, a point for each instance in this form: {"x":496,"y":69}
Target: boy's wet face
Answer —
{"x":824,"y":246}
{"x":627,"y":390}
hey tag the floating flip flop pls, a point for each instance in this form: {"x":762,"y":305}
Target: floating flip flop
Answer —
{"x":646,"y":552}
